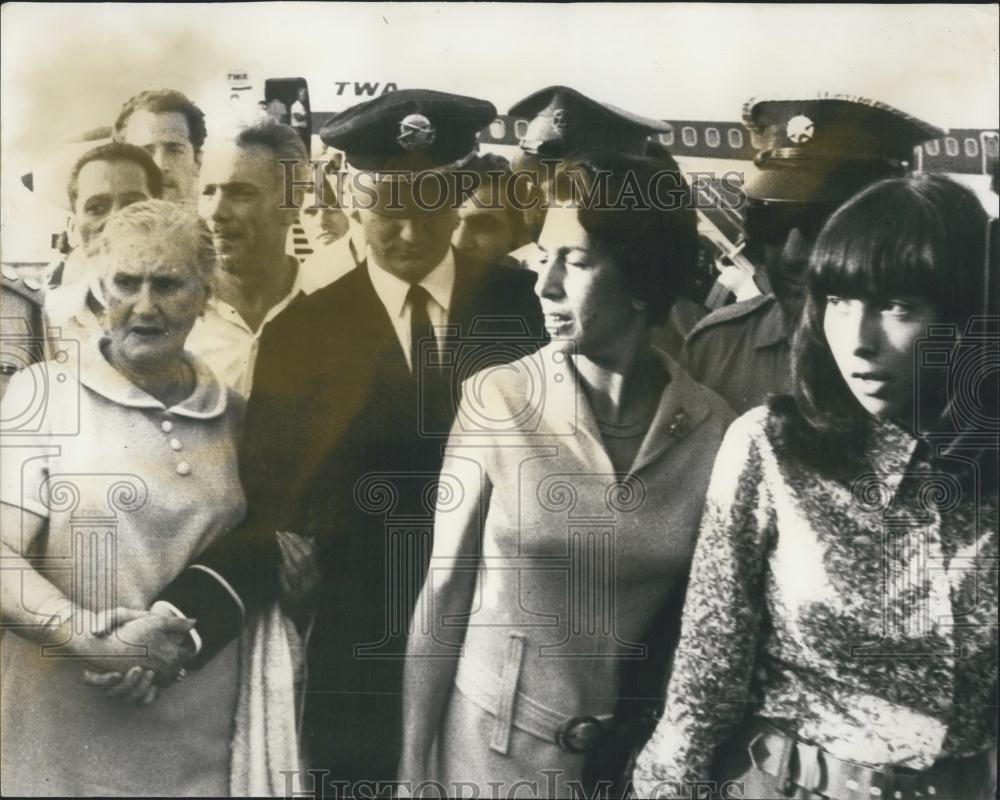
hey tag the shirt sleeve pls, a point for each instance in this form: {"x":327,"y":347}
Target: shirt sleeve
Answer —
{"x":26,"y":450}
{"x":709,"y":689}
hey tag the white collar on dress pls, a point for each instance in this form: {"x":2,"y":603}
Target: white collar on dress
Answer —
{"x":208,"y":399}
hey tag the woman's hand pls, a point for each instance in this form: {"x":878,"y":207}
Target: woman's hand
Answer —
{"x":149,"y":641}
{"x":135,"y":687}
{"x":134,"y":652}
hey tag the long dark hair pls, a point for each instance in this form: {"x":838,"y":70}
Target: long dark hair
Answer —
{"x":916,"y":235}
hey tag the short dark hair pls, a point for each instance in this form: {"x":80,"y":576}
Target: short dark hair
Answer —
{"x":487,"y":165}
{"x":282,"y":140}
{"x":116,"y":152}
{"x":921,"y":234}
{"x":653,"y":238}
{"x":161,"y":101}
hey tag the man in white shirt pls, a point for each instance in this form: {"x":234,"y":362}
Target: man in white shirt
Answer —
{"x":241,"y":194}
{"x":300,"y":115}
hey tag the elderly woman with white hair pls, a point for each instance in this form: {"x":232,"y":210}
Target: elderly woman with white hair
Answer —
{"x":119,"y":465}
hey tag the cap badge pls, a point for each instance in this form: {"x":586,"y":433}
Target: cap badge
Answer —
{"x":415,"y":132}
{"x":800,"y":129}
{"x":561,"y":120}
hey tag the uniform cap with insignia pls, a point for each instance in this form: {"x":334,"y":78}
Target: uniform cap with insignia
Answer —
{"x":826,"y":148}
{"x":564,"y":121}
{"x":408,"y":130}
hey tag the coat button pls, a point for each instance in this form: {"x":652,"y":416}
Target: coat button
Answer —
{"x":183,"y":468}
{"x":175,"y":444}
{"x":679,"y":424}
{"x":166,"y":426}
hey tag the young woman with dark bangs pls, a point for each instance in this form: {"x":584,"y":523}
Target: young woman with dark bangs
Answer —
{"x":839,"y":637}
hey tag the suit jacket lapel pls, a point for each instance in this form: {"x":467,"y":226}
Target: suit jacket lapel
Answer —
{"x":382,"y":338}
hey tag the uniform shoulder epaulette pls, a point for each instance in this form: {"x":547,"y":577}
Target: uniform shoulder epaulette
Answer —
{"x":734,"y":311}
{"x":24,"y":287}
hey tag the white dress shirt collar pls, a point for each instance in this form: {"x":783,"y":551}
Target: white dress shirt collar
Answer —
{"x":392,"y":290}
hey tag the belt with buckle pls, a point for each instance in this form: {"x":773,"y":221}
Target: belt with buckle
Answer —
{"x":586,"y":734}
{"x":579,"y":734}
{"x":797,"y":763}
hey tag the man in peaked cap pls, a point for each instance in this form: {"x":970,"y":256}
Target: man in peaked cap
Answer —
{"x":814,"y":155}
{"x":349,"y":386}
{"x":564,"y":122}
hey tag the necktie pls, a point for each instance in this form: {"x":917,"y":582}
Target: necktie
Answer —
{"x":420,"y":325}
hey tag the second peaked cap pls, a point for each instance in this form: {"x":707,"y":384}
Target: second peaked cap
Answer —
{"x":828,"y":147}
{"x":409,"y":129}
{"x":564,"y":121}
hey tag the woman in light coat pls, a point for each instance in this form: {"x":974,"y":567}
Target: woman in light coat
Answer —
{"x":569,"y":505}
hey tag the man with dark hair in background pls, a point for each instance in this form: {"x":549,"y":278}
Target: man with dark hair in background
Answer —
{"x":489,"y":225}
{"x":104,"y":180}
{"x":168,"y":126}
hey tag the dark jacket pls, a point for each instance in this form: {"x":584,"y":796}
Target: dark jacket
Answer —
{"x":343,"y":443}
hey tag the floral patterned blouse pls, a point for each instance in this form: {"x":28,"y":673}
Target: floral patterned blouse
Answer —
{"x":862,"y":617}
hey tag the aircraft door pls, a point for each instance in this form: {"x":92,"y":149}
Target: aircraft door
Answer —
{"x":288,"y":102}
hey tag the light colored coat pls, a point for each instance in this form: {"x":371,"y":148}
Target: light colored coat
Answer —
{"x":576,"y":559}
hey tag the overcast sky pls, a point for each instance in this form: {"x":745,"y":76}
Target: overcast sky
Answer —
{"x":68,"y":67}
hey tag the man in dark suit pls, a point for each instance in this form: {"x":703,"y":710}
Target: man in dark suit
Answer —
{"x":354,"y":393}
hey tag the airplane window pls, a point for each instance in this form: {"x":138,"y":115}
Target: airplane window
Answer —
{"x":498,"y":129}
{"x":735,"y":136}
{"x":933,"y":147}
{"x":520,"y":128}
{"x":971,"y":147}
{"x":991,"y":145}
{"x":951,"y":146}
{"x":666,"y":138}
{"x":689,"y":136}
{"x":755,"y":140}
{"x":712,"y":137}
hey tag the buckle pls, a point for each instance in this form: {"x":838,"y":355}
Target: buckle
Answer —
{"x":580,"y":734}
